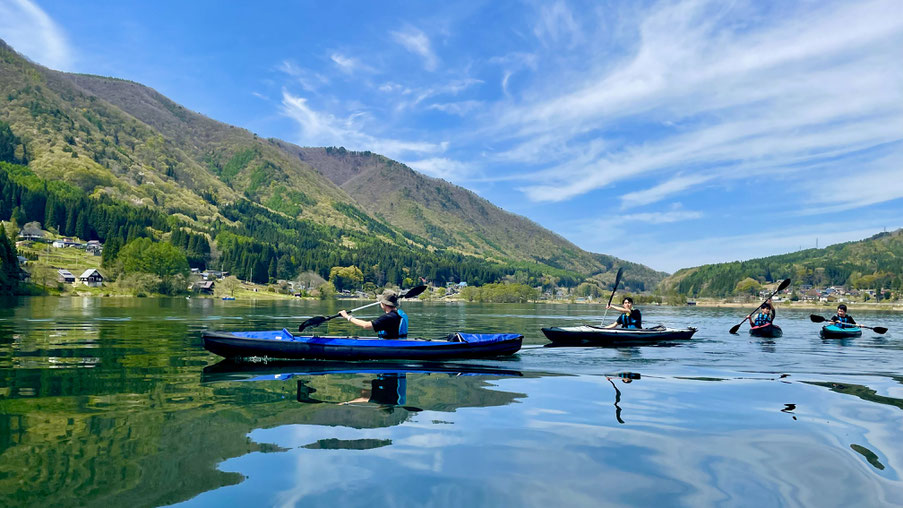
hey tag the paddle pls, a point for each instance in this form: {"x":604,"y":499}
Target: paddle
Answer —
{"x":613,"y":289}
{"x":877,"y":329}
{"x":780,"y":288}
{"x":319,"y":320}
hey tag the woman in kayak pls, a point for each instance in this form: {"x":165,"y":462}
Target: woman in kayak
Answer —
{"x":630,"y":317}
{"x":393,"y":324}
{"x":765,"y":316}
{"x":842,"y":319}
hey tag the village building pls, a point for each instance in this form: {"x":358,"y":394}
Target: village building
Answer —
{"x":205,"y":287}
{"x":91,"y":277}
{"x":65,"y":242}
{"x":65,"y":276}
{"x":94,"y":247}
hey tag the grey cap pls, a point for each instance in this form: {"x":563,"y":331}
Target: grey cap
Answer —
{"x":388,"y":297}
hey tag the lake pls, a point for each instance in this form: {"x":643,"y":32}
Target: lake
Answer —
{"x":114,"y":402}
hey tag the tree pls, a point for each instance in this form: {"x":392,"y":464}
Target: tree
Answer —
{"x":230,"y":284}
{"x":345,"y":277}
{"x":9,"y":265}
{"x":748,"y":286}
{"x":161,"y":259}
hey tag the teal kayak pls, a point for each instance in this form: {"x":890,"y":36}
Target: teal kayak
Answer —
{"x":840,"y":332}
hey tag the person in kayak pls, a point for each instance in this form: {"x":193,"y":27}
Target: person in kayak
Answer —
{"x":629,"y":318}
{"x":765,"y":315}
{"x":393,"y":324}
{"x":842,"y":319}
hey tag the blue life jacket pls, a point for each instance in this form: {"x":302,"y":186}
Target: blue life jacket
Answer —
{"x":627,"y":321}
{"x":841,"y":320}
{"x":762,"y":319}
{"x":403,"y":325}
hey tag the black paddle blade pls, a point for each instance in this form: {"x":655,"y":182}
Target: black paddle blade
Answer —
{"x":618,"y":278}
{"x":817,"y":319}
{"x":880,"y":330}
{"x":735,"y":328}
{"x":783,"y":285}
{"x":310,"y":323}
{"x":414,"y":292}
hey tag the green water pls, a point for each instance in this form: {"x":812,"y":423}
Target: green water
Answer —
{"x":114,"y":402}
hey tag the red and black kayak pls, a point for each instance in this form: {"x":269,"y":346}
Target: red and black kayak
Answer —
{"x":768,"y":330}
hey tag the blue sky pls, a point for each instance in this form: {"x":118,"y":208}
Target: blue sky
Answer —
{"x":671,"y":133}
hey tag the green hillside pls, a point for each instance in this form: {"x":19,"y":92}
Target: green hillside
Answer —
{"x":268,"y":209}
{"x":433,"y":211}
{"x":873,"y":263}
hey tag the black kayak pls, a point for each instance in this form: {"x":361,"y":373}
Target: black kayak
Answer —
{"x":768,"y":330}
{"x":591,"y":335}
{"x":838,"y":332}
{"x":283,"y":344}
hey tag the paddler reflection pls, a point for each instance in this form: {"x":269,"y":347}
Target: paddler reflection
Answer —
{"x":625,"y":377}
{"x":386,"y":391}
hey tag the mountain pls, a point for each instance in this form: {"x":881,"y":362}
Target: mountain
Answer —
{"x":873,"y":263}
{"x":122,"y":140}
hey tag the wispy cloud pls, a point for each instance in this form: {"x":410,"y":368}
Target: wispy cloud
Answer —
{"x":662,"y":190}
{"x":348,"y":64}
{"x":556,"y":24}
{"x":711,"y":96}
{"x":442,"y":167}
{"x":310,"y":81}
{"x":417,"y":42}
{"x":324,"y":129}
{"x":28,"y":29}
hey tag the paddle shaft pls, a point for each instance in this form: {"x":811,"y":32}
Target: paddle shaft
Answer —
{"x":612,"y":297}
{"x":318,"y":320}
{"x":782,"y":286}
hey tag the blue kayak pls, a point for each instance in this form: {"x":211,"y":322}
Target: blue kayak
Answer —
{"x":283,"y":344}
{"x":840,"y":332}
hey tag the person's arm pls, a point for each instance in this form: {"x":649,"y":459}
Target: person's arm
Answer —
{"x":367,"y":325}
{"x":617,"y":308}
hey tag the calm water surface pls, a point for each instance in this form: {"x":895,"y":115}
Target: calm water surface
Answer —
{"x":114,"y":402}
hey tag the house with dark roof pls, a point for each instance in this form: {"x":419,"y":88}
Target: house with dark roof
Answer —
{"x":91,"y":277}
{"x":65,"y":276}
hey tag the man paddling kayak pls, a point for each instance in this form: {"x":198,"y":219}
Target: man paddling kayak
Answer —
{"x":842,"y":319}
{"x":629,"y":318}
{"x":393,"y":324}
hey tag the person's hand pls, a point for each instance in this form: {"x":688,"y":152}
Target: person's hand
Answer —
{"x":608,"y":306}
{"x":344,"y":314}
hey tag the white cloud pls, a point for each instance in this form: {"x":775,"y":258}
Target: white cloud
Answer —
{"x":460,"y":108}
{"x":418,"y":43}
{"x":663,"y":217}
{"x":556,"y":23}
{"x":715,"y":100}
{"x":309,"y":80}
{"x":324,"y":129}
{"x":657,"y":193}
{"x":30,"y":31}
{"x":442,"y":167}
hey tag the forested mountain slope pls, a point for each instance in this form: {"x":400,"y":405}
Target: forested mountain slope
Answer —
{"x":874,"y":263}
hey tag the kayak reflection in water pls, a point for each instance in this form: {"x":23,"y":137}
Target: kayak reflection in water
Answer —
{"x":765,"y":315}
{"x":629,"y":318}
